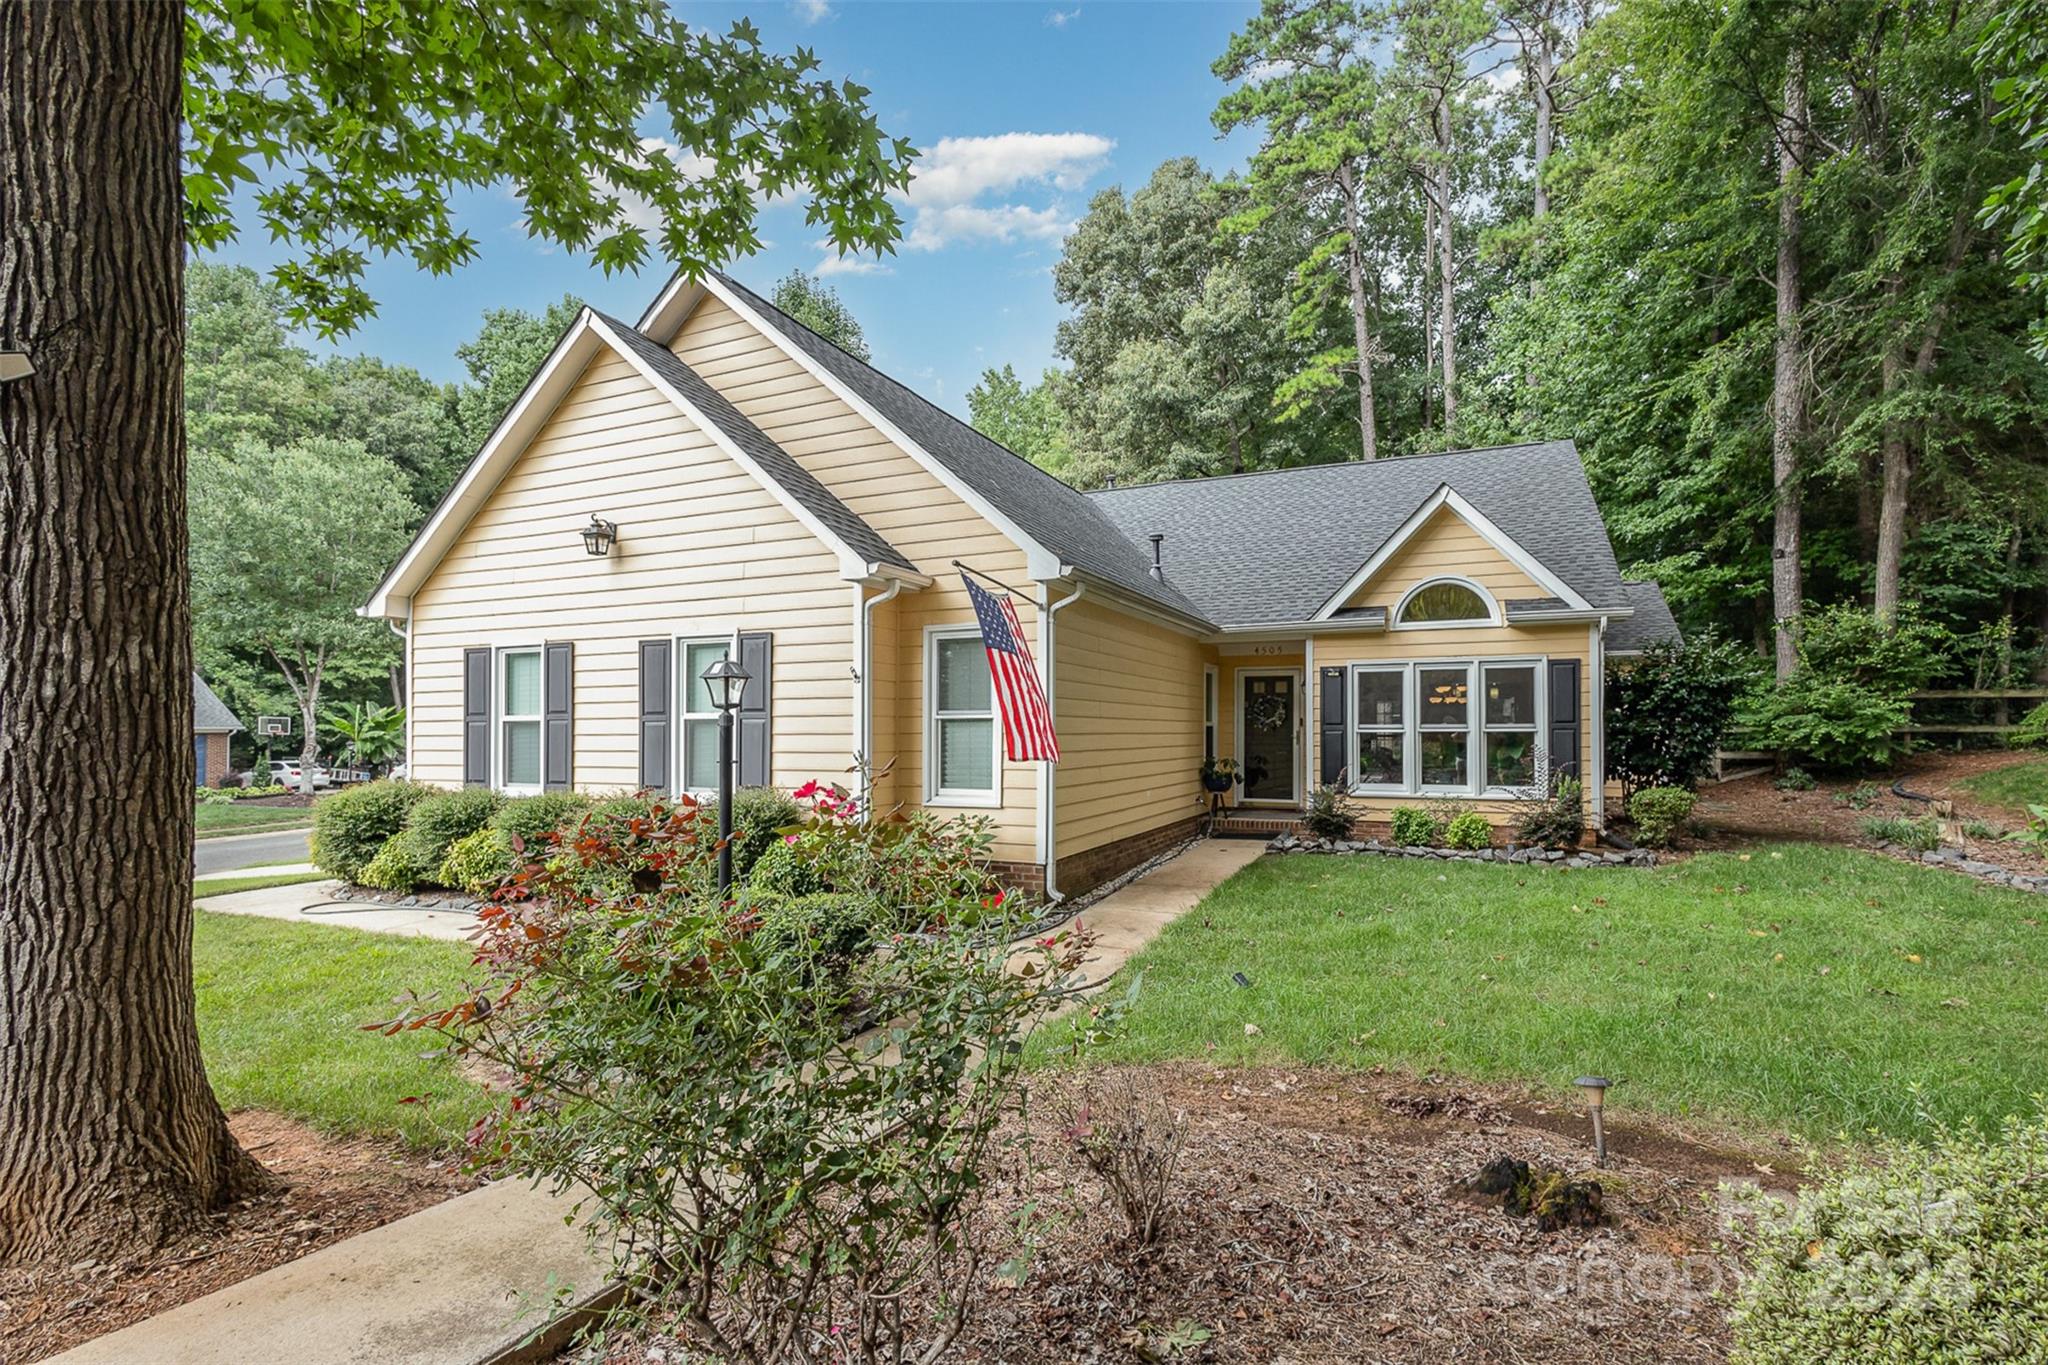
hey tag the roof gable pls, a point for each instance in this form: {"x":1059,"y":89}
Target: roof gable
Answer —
{"x":209,"y":713}
{"x":860,"y":549}
{"x":1446,"y":501}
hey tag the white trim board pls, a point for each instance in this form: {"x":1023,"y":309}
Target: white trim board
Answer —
{"x":1446,"y":496}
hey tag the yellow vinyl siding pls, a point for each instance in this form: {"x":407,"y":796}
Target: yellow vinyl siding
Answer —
{"x":703,"y":550}
{"x":1445,"y":546}
{"x":1128,"y":703}
{"x":908,"y":507}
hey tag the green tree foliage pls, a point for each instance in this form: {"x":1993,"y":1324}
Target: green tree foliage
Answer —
{"x":1027,"y":420}
{"x":504,"y":354}
{"x":286,"y":543}
{"x":1669,"y":707}
{"x":2013,"y":54}
{"x":357,"y":124}
{"x":817,"y":305}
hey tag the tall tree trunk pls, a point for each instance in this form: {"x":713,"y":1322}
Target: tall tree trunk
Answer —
{"x":1788,"y":381}
{"x":1447,"y":268}
{"x":1544,"y":71}
{"x":2001,"y":714}
{"x":1361,"y":329}
{"x":109,"y":1136}
{"x":1422,"y":300}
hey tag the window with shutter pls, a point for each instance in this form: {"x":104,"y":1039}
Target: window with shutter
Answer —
{"x":657,"y":700}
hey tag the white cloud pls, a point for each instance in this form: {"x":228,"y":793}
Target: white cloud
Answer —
{"x":1060,"y":18}
{"x":960,"y":169}
{"x":835,"y":264}
{"x":812,"y":11}
{"x":934,"y":228}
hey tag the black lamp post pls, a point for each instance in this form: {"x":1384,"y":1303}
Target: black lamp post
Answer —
{"x":727,"y":682}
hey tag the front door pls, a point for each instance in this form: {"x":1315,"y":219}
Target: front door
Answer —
{"x":1268,"y":704}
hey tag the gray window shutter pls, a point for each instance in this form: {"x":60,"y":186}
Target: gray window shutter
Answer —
{"x":657,"y":703}
{"x":1330,"y":729}
{"x":558,"y":716}
{"x":476,"y":717}
{"x":1564,"y":717}
{"x":757,"y":657}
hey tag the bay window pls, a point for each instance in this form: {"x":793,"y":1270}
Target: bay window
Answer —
{"x":1419,"y":729}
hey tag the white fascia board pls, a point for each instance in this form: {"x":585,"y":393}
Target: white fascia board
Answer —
{"x":1446,"y":496}
{"x":665,"y":315}
{"x":1129,"y":602}
{"x":853,"y":567}
{"x":536,"y":403}
{"x":1567,"y":616}
{"x":1041,"y":562}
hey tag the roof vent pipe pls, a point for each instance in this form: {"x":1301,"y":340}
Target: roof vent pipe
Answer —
{"x":1158,"y":539}
{"x":1109,"y":480}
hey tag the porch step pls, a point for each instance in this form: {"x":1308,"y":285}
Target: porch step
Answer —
{"x":1241,"y":824}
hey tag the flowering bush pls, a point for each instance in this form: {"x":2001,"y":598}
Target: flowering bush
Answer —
{"x":781,"y":1181}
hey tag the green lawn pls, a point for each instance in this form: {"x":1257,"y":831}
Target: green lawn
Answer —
{"x":2015,"y":787}
{"x":240,"y":819}
{"x":280,"y":1010}
{"x":1807,"y":989}
{"x":250,"y":879}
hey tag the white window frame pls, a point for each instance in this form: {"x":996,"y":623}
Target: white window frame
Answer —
{"x":1537,"y":728}
{"x":500,"y":718}
{"x":684,"y":715}
{"x":1357,"y":729}
{"x":1412,"y":729}
{"x":934,"y":794}
{"x":1492,"y":618}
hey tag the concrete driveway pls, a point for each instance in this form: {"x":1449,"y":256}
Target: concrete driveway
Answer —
{"x":213,"y":856}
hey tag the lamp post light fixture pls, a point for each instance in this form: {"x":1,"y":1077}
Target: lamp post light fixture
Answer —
{"x":1595,"y":1088}
{"x":599,"y":535}
{"x":727,"y":683}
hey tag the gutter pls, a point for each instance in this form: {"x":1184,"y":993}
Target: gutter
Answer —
{"x":863,"y":699}
{"x":1597,"y":704}
{"x":1047,"y":839}
{"x":405,"y":635}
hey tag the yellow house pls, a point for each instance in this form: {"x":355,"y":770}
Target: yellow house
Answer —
{"x":1434,"y":625}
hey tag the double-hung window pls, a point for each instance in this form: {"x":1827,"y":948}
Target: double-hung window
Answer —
{"x":519,"y":719}
{"x":1443,"y":704}
{"x":1379,"y":710}
{"x":961,"y":766}
{"x":1509,"y":720}
{"x":700,"y":716}
{"x":1209,"y":699}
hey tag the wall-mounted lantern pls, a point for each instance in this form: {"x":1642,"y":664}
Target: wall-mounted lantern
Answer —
{"x":599,"y":535}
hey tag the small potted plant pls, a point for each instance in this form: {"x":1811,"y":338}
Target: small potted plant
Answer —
{"x":1219,"y":775}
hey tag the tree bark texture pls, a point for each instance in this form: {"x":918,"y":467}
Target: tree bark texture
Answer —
{"x":109,"y":1135}
{"x":1361,"y":328}
{"x":1788,"y":379}
{"x":1447,"y":269}
{"x":1544,"y":68}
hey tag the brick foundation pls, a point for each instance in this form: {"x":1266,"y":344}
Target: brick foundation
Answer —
{"x":1083,"y":872}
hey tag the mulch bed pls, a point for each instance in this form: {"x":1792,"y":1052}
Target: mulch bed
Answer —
{"x":1319,"y":1217}
{"x":1753,"y":810}
{"x":333,"y":1189}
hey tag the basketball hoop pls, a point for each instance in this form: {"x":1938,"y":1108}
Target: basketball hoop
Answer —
{"x":270,"y":726}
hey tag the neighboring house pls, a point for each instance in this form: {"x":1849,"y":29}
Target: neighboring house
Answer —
{"x":776,"y":496}
{"x":212,"y":724}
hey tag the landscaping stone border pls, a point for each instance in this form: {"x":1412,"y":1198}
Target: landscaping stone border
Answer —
{"x":1641,"y":857}
{"x":407,"y":900}
{"x":1956,"y":859}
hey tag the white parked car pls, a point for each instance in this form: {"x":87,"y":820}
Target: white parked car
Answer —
{"x":288,"y":773}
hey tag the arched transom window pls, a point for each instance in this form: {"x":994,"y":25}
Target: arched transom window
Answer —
{"x":1444,"y":601}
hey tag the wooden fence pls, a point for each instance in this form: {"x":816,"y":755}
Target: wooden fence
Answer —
{"x":1730,"y":764}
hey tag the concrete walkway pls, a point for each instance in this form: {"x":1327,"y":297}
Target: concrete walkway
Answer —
{"x":443,"y":1286}
{"x":313,"y":903}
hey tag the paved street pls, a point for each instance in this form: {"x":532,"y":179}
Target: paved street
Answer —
{"x":213,"y":856}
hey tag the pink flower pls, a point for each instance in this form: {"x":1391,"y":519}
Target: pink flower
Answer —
{"x":808,"y":789}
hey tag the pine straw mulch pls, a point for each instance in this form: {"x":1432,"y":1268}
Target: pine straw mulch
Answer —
{"x":333,"y":1188}
{"x":1753,"y":809}
{"x":1317,"y":1218}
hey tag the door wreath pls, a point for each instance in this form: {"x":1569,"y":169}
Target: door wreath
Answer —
{"x":1267,"y":713}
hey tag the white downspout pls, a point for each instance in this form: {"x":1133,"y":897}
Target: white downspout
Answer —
{"x":863,"y":695}
{"x":1047,"y":841}
{"x":406,"y":635}
{"x":1597,"y":703}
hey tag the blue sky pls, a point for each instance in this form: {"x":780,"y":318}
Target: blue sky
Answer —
{"x":1023,"y":111}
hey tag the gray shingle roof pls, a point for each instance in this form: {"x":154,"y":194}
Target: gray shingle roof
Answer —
{"x":1065,"y":521}
{"x":1652,"y":623}
{"x":777,"y":463}
{"x":210,"y":713}
{"x":1271,"y":548}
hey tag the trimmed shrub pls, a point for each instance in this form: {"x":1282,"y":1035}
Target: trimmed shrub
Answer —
{"x":1559,"y":821}
{"x":782,"y":870}
{"x":352,"y":826}
{"x":1413,"y":827}
{"x":1469,"y":831}
{"x":398,"y":866}
{"x":826,"y":925}
{"x":759,"y":817}
{"x":533,"y":818}
{"x":1658,"y":812}
{"x":1920,"y":833}
{"x":1936,"y":1252}
{"x":1668,"y":708}
{"x":439,"y":820}
{"x":1327,"y":817}
{"x":1835,"y":723}
{"x":477,"y":862}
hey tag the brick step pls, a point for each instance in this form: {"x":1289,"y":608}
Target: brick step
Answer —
{"x":1240,"y":824}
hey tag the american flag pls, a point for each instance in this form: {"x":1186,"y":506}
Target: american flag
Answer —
{"x":1027,"y":721}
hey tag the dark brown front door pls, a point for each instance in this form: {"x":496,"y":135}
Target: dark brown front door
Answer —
{"x":1269,"y":715}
